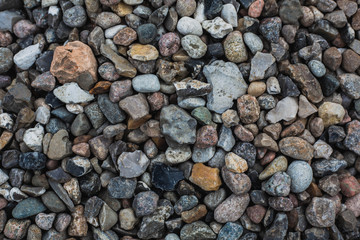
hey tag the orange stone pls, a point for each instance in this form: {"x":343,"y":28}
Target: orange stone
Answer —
{"x":75,"y":62}
{"x":101,"y":87}
{"x":5,"y":138}
{"x":81,"y":149}
{"x":82,"y":139}
{"x":194,"y":214}
{"x":235,"y":163}
{"x":205,"y":177}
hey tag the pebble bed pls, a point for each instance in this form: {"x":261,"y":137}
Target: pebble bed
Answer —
{"x":180,"y":119}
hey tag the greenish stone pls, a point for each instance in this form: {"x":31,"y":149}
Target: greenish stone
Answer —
{"x":202,"y":115}
{"x":27,"y":208}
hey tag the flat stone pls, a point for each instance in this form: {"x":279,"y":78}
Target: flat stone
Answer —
{"x":146,"y":83}
{"x":72,"y":93}
{"x":321,"y":212}
{"x":296,"y":148}
{"x":27,"y":208}
{"x":132,"y":164}
{"x":231,"y":208}
{"x":259,"y":64}
{"x":278,"y":113}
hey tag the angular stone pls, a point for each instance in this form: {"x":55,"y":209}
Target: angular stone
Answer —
{"x":205,"y":177}
{"x":296,"y":148}
{"x":321,"y":212}
{"x":132,"y":164}
{"x":231,"y":208}
{"x":165,"y":177}
{"x":352,"y":138}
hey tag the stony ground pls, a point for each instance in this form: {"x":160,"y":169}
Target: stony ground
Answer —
{"x":180,"y":119}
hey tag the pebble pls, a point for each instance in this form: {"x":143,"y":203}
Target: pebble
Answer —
{"x":45,"y":221}
{"x":189,"y":26}
{"x":327,"y":166}
{"x":169,"y":44}
{"x":122,"y":188}
{"x":350,"y":85}
{"x":234,"y":47}
{"x":75,"y":17}
{"x":301,"y":176}
{"x":277,"y":165}
{"x":231,"y":208}
{"x":28,"y":207}
{"x":296,"y":148}
{"x":165,"y":177}
{"x":194,"y":46}
{"x":146,"y":83}
{"x":132,"y":164}
{"x":178,"y":154}
{"x":217,"y":101}
{"x":6,"y":61}
{"x":205,"y":177}
{"x":278,"y":113}
{"x":238,"y":183}
{"x":253,"y":42}
{"x":278,"y":185}
{"x":331,"y":113}
{"x":260,"y":63}
{"x":321,"y":212}
{"x":16,"y":229}
{"x":317,"y":68}
{"x":125,"y":36}
{"x":66,"y":94}
{"x":197,"y":230}
{"x":25,"y":58}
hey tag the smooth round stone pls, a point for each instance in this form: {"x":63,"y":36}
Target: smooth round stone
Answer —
{"x":146,"y":83}
{"x":194,"y":46}
{"x":278,"y":185}
{"x":317,"y":68}
{"x":27,"y":208}
{"x":185,"y":203}
{"x":189,"y":26}
{"x":146,"y":33}
{"x":175,"y":155}
{"x":6,"y":60}
{"x":201,"y":155}
{"x":145,"y":203}
{"x":301,"y":176}
{"x":75,"y":17}
{"x":230,"y":231}
{"x":53,"y":202}
{"x":172,"y":236}
{"x":169,"y":44}
{"x":253,"y":42}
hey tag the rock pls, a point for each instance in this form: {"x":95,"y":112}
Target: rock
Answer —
{"x":27,"y":208}
{"x":32,"y":160}
{"x":192,"y":88}
{"x":296,"y":148}
{"x":78,"y":226}
{"x":75,"y":17}
{"x":327,"y":166}
{"x":331,"y":113}
{"x":197,"y":230}
{"x":349,"y":186}
{"x":217,"y":101}
{"x":146,"y":83}
{"x":127,"y":218}
{"x":301,"y":176}
{"x":6,"y":61}
{"x":332,"y":58}
{"x":189,"y":26}
{"x":278,"y":113}
{"x":136,"y":106}
{"x":226,"y":139}
{"x":122,"y":65}
{"x":107,"y":217}
{"x":235,"y":50}
{"x":206,"y":137}
{"x":72,"y":93}
{"x":53,"y":202}
{"x":185,"y":7}
{"x":205,"y":177}
{"x":45,"y":221}
{"x":122,"y":188}
{"x":277,"y":165}
{"x":351,"y":141}
{"x":178,"y":154}
{"x":165,"y":177}
{"x":305,"y":107}
{"x":270,"y":29}
{"x":260,"y":63}
{"x":278,"y":228}
{"x":33,"y":138}
{"x":132,"y":164}
{"x":321,"y":212}
{"x":185,"y":203}
{"x":235,"y":163}
{"x":278,"y":185}
{"x":60,"y":145}
{"x":238,"y":183}
{"x":25,"y":58}
{"x":143,"y":52}
{"x":353,"y":204}
{"x":177,"y":126}
{"x":169,"y":44}
{"x":330,"y":184}
{"x":194,"y":46}
{"x":317,"y":68}
{"x":75,"y":62}
{"x":16,"y":229}
{"x":231,"y":208}
{"x":217,"y":27}
{"x":350,"y":85}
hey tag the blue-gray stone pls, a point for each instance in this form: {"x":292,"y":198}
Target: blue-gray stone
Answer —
{"x":111,"y":110}
{"x":185,"y":203}
{"x":230,"y":231}
{"x":27,"y":208}
{"x":32,"y":161}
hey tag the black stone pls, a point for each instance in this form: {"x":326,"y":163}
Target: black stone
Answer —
{"x":63,"y":31}
{"x":26,"y":41}
{"x":288,"y":87}
{"x":212,"y":8}
{"x":90,"y":184}
{"x":215,"y":50}
{"x":53,"y":101}
{"x":270,"y":29}
{"x":43,"y":63}
{"x":329,"y":84}
{"x":316,"y":233}
{"x":55,"y":125}
{"x":40,"y":16}
{"x":146,"y":33}
{"x":300,"y":40}
{"x":269,"y":217}
{"x":245,"y":69}
{"x":63,"y":114}
{"x":336,"y":134}
{"x":246,"y":3}
{"x":58,"y":175}
{"x":346,"y":221}
{"x":254,"y":178}
{"x":111,"y":110}
{"x":259,"y":197}
{"x":194,"y":67}
{"x":93,"y":206}
{"x":324,"y":29}
{"x":347,"y":34}
{"x":121,"y":188}
{"x":74,"y":168}
{"x":10,"y":158}
{"x":278,"y":229}
{"x":32,"y":160}
{"x":247,"y":151}
{"x":327,"y":166}
{"x":165,"y":177}
{"x":314,"y":38}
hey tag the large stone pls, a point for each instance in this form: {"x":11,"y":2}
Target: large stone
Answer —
{"x":232,"y":208}
{"x":296,"y":148}
{"x":227,"y":83}
{"x":75,"y":62}
{"x":60,"y":146}
{"x":177,"y":126}
{"x":321,"y":212}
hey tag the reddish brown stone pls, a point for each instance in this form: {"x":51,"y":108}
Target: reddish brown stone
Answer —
{"x":355,"y":23}
{"x":349,"y":186}
{"x":82,"y":139}
{"x":256,"y":213}
{"x":314,"y":190}
{"x":256,"y":8}
{"x":24,"y":28}
{"x":206,"y":137}
{"x":269,"y":156}
{"x":81,"y":149}
{"x":248,"y":109}
{"x":125,"y":36}
{"x":100,"y":87}
{"x":132,"y":124}
{"x":350,"y":60}
{"x":243,"y":134}
{"x":157,"y":100}
{"x":294,"y":129}
{"x":169,"y":44}
{"x":5,"y":39}
{"x":75,"y":62}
